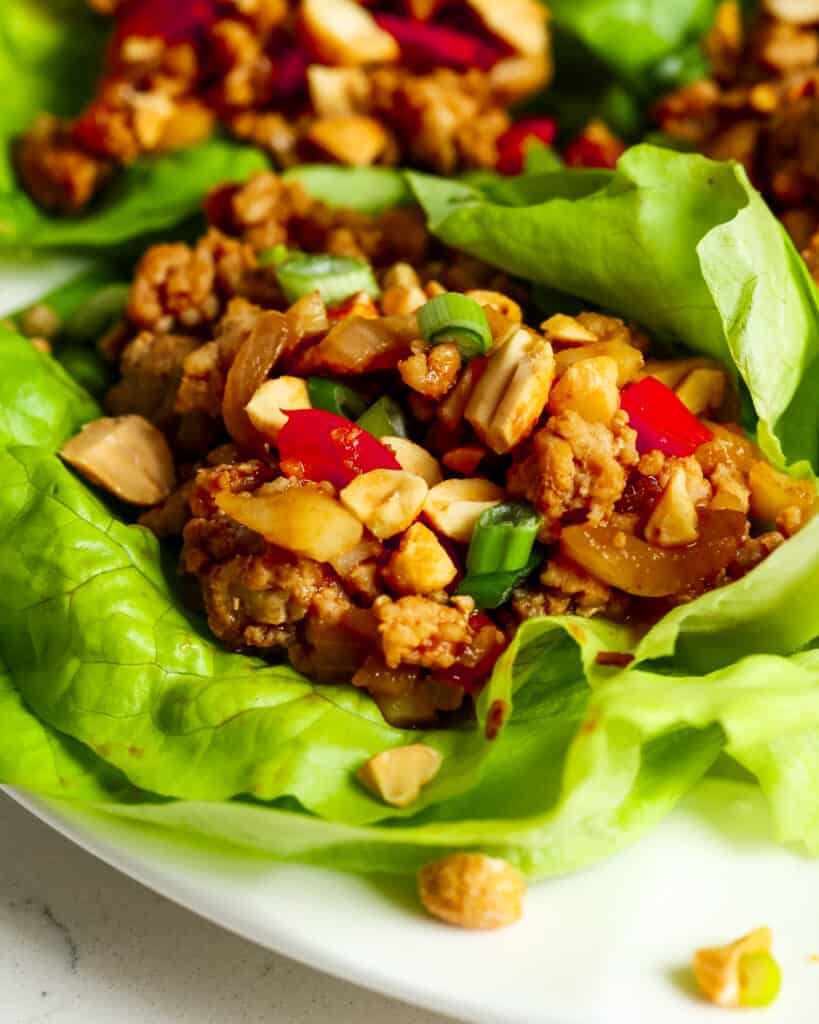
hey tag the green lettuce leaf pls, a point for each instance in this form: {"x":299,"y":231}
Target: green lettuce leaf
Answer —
{"x":40,"y":404}
{"x":100,"y":650}
{"x":599,"y":770}
{"x":633,"y":37}
{"x":151,"y":194}
{"x":680,"y":243}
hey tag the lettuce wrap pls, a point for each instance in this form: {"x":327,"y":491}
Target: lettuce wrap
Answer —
{"x":115,"y":695}
{"x":50,"y":58}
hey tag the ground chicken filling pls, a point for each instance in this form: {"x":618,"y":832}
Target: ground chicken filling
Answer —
{"x":382,"y":502}
{"x":760,"y":106}
{"x":419,"y":82}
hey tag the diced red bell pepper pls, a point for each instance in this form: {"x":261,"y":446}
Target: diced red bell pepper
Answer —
{"x":512,"y":144}
{"x":472,"y":678}
{"x":177,"y":22}
{"x":318,"y":445}
{"x":290,"y":77}
{"x":661,"y":420}
{"x":596,"y":146}
{"x":428,"y":46}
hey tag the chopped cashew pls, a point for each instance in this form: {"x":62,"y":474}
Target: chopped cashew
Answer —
{"x":398,"y":775}
{"x":421,"y":565}
{"x":703,"y":390}
{"x":673,"y":521}
{"x":472,"y":890}
{"x":303,"y":519}
{"x":512,"y":391}
{"x":415,"y":459}
{"x":589,"y":387}
{"x":454,"y":506}
{"x":266,"y":408}
{"x":719,"y":970}
{"x":343,"y":32}
{"x":385,"y":500}
{"x":127,"y":456}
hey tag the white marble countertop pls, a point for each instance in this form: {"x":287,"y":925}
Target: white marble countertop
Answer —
{"x":81,"y":943}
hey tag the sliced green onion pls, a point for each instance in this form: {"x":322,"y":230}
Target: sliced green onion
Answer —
{"x":275,"y":255}
{"x":492,"y":589}
{"x":335,"y":277}
{"x":333,"y":396}
{"x":759,"y":979}
{"x":457,"y":319}
{"x":97,"y":315}
{"x":503,"y":538}
{"x":384,"y":418}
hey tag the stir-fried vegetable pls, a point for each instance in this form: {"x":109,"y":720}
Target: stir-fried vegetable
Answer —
{"x":661,"y":420}
{"x":335,"y":397}
{"x":503,"y":538}
{"x":335,"y":277}
{"x":384,"y":418}
{"x":455,"y":319}
{"x":318,"y":445}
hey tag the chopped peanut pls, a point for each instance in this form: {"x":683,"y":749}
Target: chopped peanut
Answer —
{"x":797,"y":12}
{"x":398,"y":775}
{"x":265,"y":408}
{"x":127,"y":456}
{"x":501,"y":303}
{"x":415,"y":459}
{"x":513,"y":78}
{"x":730,"y":491}
{"x":628,"y":358}
{"x":303,"y":519}
{"x":472,"y":890}
{"x":465,"y":459}
{"x":401,"y":299}
{"x":455,"y":505}
{"x":349,"y":138}
{"x":337,"y":92}
{"x":343,"y":32}
{"x":703,"y":390}
{"x":673,"y":521}
{"x":718,"y":970}
{"x":420,"y":565}
{"x":566,"y":330}
{"x":385,"y":500}
{"x":512,"y":391}
{"x":589,"y":387}
{"x":521,"y":24}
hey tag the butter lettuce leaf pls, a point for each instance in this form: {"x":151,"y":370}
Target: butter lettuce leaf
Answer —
{"x":677,"y":242}
{"x":633,"y":37}
{"x":40,"y":404}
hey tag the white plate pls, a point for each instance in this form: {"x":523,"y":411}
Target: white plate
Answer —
{"x":609,"y":945}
